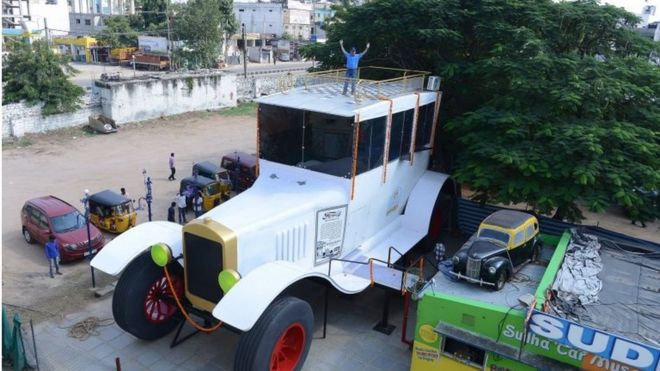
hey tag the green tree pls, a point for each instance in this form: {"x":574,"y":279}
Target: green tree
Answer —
{"x":118,"y":32}
{"x":154,"y":14}
{"x":198,"y":26}
{"x":35,"y":74}
{"x":553,"y":104}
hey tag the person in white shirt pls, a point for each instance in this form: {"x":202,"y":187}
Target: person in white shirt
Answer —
{"x":180,"y":200}
{"x":197,"y":204}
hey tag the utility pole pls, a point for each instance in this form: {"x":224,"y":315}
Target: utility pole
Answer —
{"x":169,"y":37}
{"x":244,"y":51}
{"x":47,"y":31}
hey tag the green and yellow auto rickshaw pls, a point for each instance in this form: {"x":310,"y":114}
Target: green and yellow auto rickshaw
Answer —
{"x":111,"y":211}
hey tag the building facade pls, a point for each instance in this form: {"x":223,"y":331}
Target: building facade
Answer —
{"x":86,"y":16}
{"x":34,"y":17}
{"x":261,"y":18}
{"x":298,"y":19}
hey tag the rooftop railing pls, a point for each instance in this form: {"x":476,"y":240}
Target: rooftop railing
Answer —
{"x":370,"y":82}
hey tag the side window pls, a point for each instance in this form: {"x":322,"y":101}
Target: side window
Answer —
{"x":463,"y":352}
{"x":39,"y":218}
{"x":396,"y":136}
{"x":407,"y":132}
{"x":530,"y":230}
{"x":424,"y":126}
{"x":519,"y":238}
{"x":371,"y":144}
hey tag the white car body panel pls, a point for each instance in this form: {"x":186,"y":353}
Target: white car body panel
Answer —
{"x":242,"y":306}
{"x":116,"y":255}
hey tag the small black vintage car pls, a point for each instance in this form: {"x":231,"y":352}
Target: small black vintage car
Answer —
{"x":505,"y":241}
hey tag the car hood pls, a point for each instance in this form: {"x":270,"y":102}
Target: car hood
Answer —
{"x":280,"y":195}
{"x":78,"y":236}
{"x":481,"y":248}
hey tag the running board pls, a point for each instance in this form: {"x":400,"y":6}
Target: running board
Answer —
{"x":383,"y":275}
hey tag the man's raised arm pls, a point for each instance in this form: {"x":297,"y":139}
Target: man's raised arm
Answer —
{"x":341,"y":45}
{"x":365,"y":50}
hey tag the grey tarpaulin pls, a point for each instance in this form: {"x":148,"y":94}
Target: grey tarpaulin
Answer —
{"x":628,"y":303}
{"x":577,"y":280}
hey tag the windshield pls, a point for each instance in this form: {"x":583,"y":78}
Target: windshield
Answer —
{"x":122,"y":209}
{"x":311,"y":140}
{"x":494,"y":235}
{"x":212,"y":189}
{"x":68,"y":222}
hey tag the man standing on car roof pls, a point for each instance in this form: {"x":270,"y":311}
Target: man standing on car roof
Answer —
{"x":52,"y":249}
{"x":172,"y":168}
{"x":352,"y":60}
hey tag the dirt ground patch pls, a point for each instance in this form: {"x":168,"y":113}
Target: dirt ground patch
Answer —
{"x":66,"y":162}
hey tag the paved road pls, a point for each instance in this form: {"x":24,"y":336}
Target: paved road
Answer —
{"x":350,"y":344}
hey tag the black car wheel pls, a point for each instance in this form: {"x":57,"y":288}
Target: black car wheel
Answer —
{"x":279,"y":340}
{"x":142,"y":303}
{"x":27,"y":236}
{"x":501,"y":280}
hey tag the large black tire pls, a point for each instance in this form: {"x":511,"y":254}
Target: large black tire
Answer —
{"x":257,"y":346}
{"x":128,"y":301}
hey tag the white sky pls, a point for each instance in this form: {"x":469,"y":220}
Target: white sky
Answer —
{"x":635,"y":6}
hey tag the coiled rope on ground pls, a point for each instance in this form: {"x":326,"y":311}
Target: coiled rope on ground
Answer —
{"x":82,"y":330}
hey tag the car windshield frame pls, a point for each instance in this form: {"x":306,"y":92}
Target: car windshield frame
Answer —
{"x":495,"y":235}
{"x":68,"y":222}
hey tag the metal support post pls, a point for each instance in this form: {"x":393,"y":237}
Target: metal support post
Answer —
{"x":149,"y":197}
{"x":383,"y":326}
{"x":85,"y":201}
{"x":244,"y":51}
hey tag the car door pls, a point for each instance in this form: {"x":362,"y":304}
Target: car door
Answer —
{"x":530,"y":234}
{"x":517,"y":253}
{"x":41,"y":226}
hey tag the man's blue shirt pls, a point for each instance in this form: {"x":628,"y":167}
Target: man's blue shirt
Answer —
{"x":52,"y":250}
{"x":352,"y":60}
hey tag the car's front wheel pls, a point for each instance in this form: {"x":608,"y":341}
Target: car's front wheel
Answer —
{"x":279,"y":340}
{"x":501,"y":280}
{"x":142,"y":303}
{"x":27,"y":236}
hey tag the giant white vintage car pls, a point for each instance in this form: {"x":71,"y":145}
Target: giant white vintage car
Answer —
{"x":341,"y":179}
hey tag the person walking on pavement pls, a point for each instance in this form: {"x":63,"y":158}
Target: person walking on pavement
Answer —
{"x":170,"y":213}
{"x":52,"y":249}
{"x":172,"y":168}
{"x":352,"y":60}
{"x":181,"y":204}
{"x":197,"y":204}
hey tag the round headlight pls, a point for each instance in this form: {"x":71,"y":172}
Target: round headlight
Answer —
{"x":161,"y":254}
{"x":492,"y":270}
{"x":456,"y":260}
{"x":227,"y":279}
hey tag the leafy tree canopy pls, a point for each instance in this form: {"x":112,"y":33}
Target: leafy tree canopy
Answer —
{"x":118,"y":33}
{"x":198,"y":25}
{"x":34,"y":73}
{"x":545,"y":103}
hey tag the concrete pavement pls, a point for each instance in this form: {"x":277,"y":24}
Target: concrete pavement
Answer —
{"x":350,"y":344}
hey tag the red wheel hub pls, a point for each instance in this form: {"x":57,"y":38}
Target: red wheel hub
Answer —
{"x":159,"y":305}
{"x":288,"y":348}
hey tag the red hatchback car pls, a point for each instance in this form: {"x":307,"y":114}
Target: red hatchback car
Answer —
{"x":48,"y":215}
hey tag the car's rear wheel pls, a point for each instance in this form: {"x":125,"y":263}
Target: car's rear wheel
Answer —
{"x":27,"y":236}
{"x":142,"y":303}
{"x":280,"y":339}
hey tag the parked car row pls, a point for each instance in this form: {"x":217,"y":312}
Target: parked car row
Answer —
{"x":114,"y":213}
